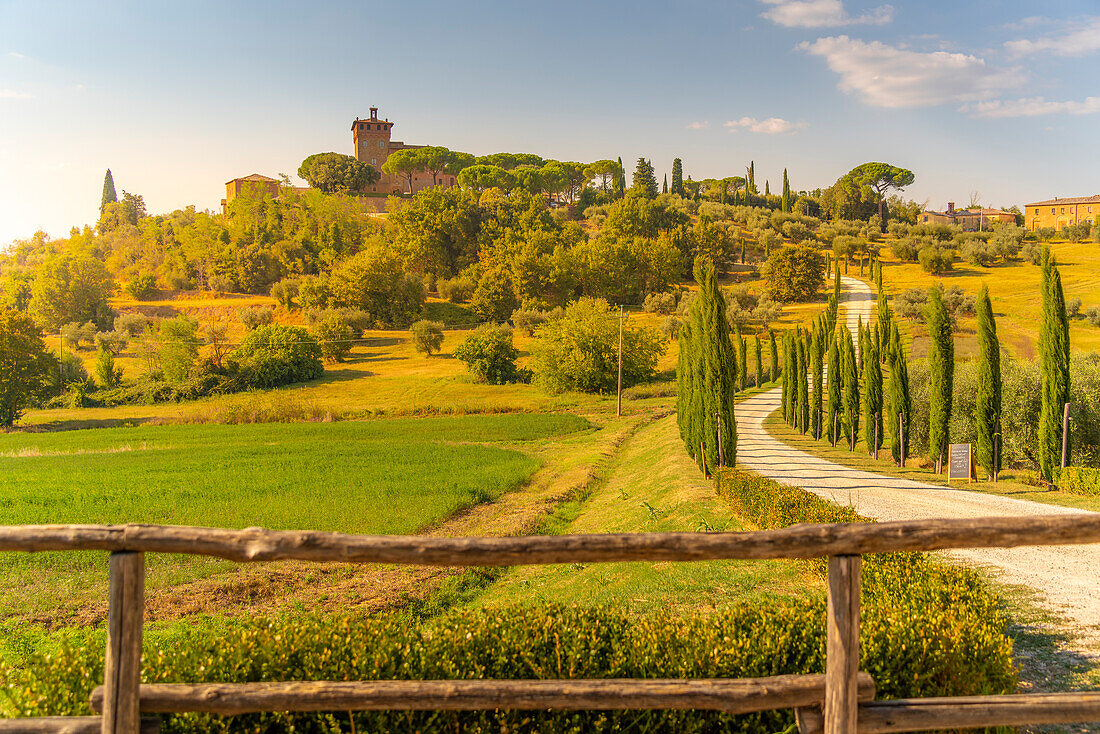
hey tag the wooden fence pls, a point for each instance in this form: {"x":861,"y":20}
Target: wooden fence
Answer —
{"x":839,"y":702}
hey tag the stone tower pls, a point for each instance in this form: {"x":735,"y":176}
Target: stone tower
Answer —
{"x":372,"y":139}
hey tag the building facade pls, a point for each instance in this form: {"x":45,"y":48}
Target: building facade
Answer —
{"x":238,"y":186}
{"x":969,"y":220}
{"x":371,"y":138}
{"x":1058,"y":213}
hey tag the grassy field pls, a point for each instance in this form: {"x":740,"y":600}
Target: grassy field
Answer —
{"x":382,"y":476}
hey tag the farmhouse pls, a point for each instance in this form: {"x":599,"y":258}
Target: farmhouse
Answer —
{"x":1058,"y":213}
{"x":969,"y":220}
{"x":371,"y":138}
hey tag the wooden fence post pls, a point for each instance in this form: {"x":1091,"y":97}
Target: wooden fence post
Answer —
{"x":842,"y":645}
{"x":122,"y":668}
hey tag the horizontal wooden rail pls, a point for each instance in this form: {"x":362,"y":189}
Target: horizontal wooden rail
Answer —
{"x":796,"y":541}
{"x":965,"y":712}
{"x":67,"y":725}
{"x":717,"y":694}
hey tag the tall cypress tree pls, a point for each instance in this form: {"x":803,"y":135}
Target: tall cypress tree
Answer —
{"x":817,"y":342}
{"x":677,"y":177}
{"x":767,"y":187}
{"x":750,"y":182}
{"x":791,"y":372}
{"x":1054,"y":356}
{"x":850,"y":395}
{"x":773,"y":356}
{"x":872,"y":396}
{"x":786,"y":203}
{"x":758,"y":352}
{"x":836,"y":382}
{"x":861,"y":344}
{"x":664,"y":189}
{"x":711,"y":368}
{"x":109,"y":195}
{"x":987,"y":403}
{"x":803,"y":396}
{"x":742,"y":361}
{"x":941,"y":366}
{"x":618,"y":189}
{"x":898,"y":398}
{"x":884,"y":319}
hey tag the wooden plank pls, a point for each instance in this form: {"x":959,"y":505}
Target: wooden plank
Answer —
{"x":122,"y":665}
{"x":797,"y":541}
{"x":965,"y":712}
{"x":731,"y":695}
{"x":67,"y":725}
{"x":842,"y":644}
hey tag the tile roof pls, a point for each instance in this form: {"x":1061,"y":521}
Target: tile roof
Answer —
{"x":253,"y":177}
{"x":1094,"y":199}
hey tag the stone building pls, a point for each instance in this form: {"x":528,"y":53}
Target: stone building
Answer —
{"x":969,"y":220}
{"x":1057,"y":213}
{"x":238,"y":186}
{"x":372,"y":144}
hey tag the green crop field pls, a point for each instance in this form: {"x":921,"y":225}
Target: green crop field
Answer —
{"x":382,"y":476}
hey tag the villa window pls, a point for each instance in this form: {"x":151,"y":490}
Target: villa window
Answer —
{"x":374,"y":161}
{"x":381,"y":143}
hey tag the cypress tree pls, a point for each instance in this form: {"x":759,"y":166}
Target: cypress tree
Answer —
{"x":619,"y":186}
{"x":644,"y":183}
{"x":861,"y":343}
{"x":742,"y":362}
{"x":109,"y":195}
{"x":791,"y":370}
{"x":767,"y":187}
{"x":872,"y":396}
{"x":941,"y":365}
{"x":850,"y":395}
{"x":836,"y":380}
{"x":786,"y":204}
{"x":987,"y":403}
{"x":803,"y":397}
{"x":758,"y":352}
{"x":818,"y":343}
{"x":677,"y":177}
{"x":750,"y":183}
{"x":710,"y":368}
{"x":664,"y":189}
{"x":836,"y":283}
{"x":884,"y":319}
{"x":899,"y":401}
{"x":773,"y":356}
{"x":1054,"y":356}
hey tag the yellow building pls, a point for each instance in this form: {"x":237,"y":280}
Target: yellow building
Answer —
{"x":1058,"y":213}
{"x":969,"y":220}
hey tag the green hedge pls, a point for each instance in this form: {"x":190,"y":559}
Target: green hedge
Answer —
{"x":1079,"y":480}
{"x":929,"y":628}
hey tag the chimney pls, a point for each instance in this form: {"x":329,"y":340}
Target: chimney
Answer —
{"x":374,"y":113}
{"x":950,"y":207}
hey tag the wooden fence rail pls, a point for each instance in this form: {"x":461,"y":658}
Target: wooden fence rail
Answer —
{"x":839,"y":702}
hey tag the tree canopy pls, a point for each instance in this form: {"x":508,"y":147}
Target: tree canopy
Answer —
{"x":337,"y":173}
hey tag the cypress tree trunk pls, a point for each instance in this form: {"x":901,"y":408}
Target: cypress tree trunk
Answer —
{"x":987,"y":403}
{"x":851,"y":389}
{"x":941,"y":364}
{"x":835,"y":381}
{"x":1054,"y":355}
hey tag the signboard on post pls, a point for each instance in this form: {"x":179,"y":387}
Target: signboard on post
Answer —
{"x":961,"y":465}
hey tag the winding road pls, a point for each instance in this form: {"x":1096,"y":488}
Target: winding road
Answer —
{"x":1064,"y":576}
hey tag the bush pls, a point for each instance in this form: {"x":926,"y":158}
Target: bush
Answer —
{"x":910,"y":304}
{"x":795,"y":273}
{"x":797,"y":232}
{"x":528,"y":320}
{"x":660,"y":303}
{"x":936,"y":259}
{"x":427,"y":336}
{"x":670,"y":327}
{"x":178,"y":347}
{"x":72,"y":369}
{"x":130,"y":324}
{"x":494,"y":299}
{"x":958,"y":302}
{"x":1073,"y":308}
{"x":253,"y":317}
{"x":373,"y":281}
{"x":314,"y":293}
{"x":277,"y":355}
{"x":907,"y":249}
{"x":1077,"y":232}
{"x":490,"y":356}
{"x":1079,"y":480}
{"x":334,"y":335}
{"x":78,"y":335}
{"x":284,"y":292}
{"x":111,"y":341}
{"x":1032,"y":251}
{"x":579,"y":351}
{"x":141,"y":286}
{"x":1093,"y":315}
{"x":106,"y":373}
{"x":979,"y":252}
{"x":456,"y":290}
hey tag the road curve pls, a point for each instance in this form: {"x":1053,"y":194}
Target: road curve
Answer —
{"x":1064,"y":576}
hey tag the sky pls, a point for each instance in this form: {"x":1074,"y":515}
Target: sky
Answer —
{"x":996,"y":100}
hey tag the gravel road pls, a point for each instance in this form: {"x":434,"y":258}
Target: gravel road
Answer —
{"x":1064,"y":576}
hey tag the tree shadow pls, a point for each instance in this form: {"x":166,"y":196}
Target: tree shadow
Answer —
{"x":77,"y":424}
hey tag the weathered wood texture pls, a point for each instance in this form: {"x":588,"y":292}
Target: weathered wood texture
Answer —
{"x":797,"y":541}
{"x":842,"y":644}
{"x":122,"y":665}
{"x":732,"y":695}
{"x":67,"y":725}
{"x":965,"y":712}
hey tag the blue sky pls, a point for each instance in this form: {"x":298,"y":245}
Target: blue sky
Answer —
{"x":1001,"y":98}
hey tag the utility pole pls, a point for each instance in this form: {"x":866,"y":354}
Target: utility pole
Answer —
{"x":1065,"y":435}
{"x":619,"y":401}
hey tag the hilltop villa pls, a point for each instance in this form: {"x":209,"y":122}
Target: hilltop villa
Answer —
{"x":969,"y":220}
{"x":1058,"y":213}
{"x":371,"y":138}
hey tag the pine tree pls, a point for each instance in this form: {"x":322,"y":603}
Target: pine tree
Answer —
{"x":773,"y":356}
{"x":759,"y":365}
{"x":786,"y":203}
{"x":709,"y":371}
{"x":677,"y":177}
{"x":109,"y":195}
{"x":619,"y":186}
{"x":836,"y":381}
{"x":1054,"y":357}
{"x":803,"y":386}
{"x":645,"y":182}
{"x":872,"y":396}
{"x":899,"y":401}
{"x":850,"y":395}
{"x":941,"y":365}
{"x":987,"y":403}
{"x":816,"y":367}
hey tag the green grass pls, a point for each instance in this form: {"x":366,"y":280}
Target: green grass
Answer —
{"x":382,"y":476}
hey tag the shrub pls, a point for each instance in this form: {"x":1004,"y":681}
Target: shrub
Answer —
{"x":178,"y":347}
{"x":106,"y":373}
{"x":489,"y":355}
{"x":1032,"y":251}
{"x":1093,"y":315}
{"x":910,"y":304}
{"x":130,"y":324}
{"x":1077,"y":232}
{"x":284,"y":292}
{"x":979,"y":252}
{"x":78,"y":335}
{"x":427,"y":336}
{"x":670,"y":327}
{"x":373,"y":281}
{"x":1079,"y":480}
{"x":221,"y":283}
{"x":795,"y":273}
{"x":528,"y":320}
{"x":495,"y":298}
{"x":580,"y":350}
{"x":907,"y":249}
{"x":456,"y":290}
{"x":253,"y":317}
{"x":660,"y":303}
{"x":277,"y":355}
{"x":72,"y":369}
{"x":936,"y":259}
{"x":111,"y":341}
{"x":334,"y":335}
{"x":141,"y":286}
{"x":314,"y":293}
{"x":958,"y":302}
{"x":797,"y":232}
{"x":1073,"y":308}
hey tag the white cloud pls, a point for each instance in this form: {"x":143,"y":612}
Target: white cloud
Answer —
{"x":770,"y":126}
{"x":886,"y":76}
{"x":16,"y":55}
{"x":822,"y":14}
{"x":1032,"y":107}
{"x":698,"y":125}
{"x":1077,"y":39}
{"x":12,"y":94}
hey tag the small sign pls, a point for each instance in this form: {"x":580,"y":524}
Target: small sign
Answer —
{"x":961,"y":465}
